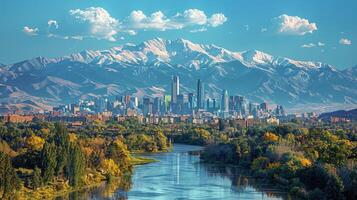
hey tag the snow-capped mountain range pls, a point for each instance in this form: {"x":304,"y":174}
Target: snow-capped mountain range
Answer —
{"x":147,"y":68}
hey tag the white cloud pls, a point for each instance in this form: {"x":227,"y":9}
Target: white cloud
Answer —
{"x":345,"y":41}
{"x":52,"y":23}
{"x":308,"y":45}
{"x":195,"y":16}
{"x":294,"y":25}
{"x":159,"y":21}
{"x":217,"y":19}
{"x":30,"y":31}
{"x":101,"y":24}
{"x":311,"y":45}
{"x":320,"y":44}
{"x":203,"y":29}
{"x":96,"y":22}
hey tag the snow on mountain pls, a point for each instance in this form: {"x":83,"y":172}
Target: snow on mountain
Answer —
{"x":147,"y":68}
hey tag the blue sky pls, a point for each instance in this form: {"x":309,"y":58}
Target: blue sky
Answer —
{"x":318,"y":30}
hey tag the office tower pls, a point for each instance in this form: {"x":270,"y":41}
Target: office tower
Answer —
{"x":190,"y":101}
{"x":147,"y":106}
{"x":135,"y":101}
{"x":263,"y":106}
{"x":231,"y":103}
{"x":279,"y":110}
{"x":167,"y":102}
{"x":207,"y":105}
{"x":224,"y":101}
{"x":175,"y":89}
{"x":74,"y":108}
{"x":180,"y":104}
{"x":127,"y":100}
{"x":200,"y":94}
{"x":250,"y":108}
{"x":101,"y":105}
{"x":157,"y":106}
{"x":120,"y":98}
{"x":214,"y":106}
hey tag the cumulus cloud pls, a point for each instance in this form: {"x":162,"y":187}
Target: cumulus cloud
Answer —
{"x":30,"y":31}
{"x":345,"y":41}
{"x":96,"y":22}
{"x":294,"y":25}
{"x":159,"y":21}
{"x":217,"y":19}
{"x":101,"y":24}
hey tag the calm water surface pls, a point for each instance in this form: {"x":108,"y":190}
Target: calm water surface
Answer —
{"x":180,"y":175}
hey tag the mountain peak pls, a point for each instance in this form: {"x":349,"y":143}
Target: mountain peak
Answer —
{"x":256,"y":57}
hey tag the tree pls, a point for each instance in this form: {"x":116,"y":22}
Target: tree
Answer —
{"x":62,"y":143}
{"x":36,"y":178}
{"x":35,"y":143}
{"x":118,"y":151}
{"x":49,"y":162}
{"x":76,"y":165}
{"x":9,"y":182}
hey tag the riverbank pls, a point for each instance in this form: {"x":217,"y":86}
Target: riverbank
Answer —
{"x":59,"y":188}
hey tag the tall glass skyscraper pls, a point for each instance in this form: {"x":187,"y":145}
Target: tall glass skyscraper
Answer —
{"x":175,"y":89}
{"x":200,"y":94}
{"x":225,"y":101}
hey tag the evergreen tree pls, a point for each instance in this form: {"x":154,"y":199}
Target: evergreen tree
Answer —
{"x":9,"y":182}
{"x":62,"y":143}
{"x":36,"y":178}
{"x":76,"y":165}
{"x":49,"y":162}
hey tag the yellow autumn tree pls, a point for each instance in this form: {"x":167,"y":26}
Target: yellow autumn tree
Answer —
{"x":271,"y":137}
{"x":35,"y":142}
{"x":110,"y":167}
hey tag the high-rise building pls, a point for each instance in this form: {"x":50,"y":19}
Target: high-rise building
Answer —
{"x":231,"y":103}
{"x":190,"y":101}
{"x":214,"y":106}
{"x":175,"y":89}
{"x":207,"y":104}
{"x":147,"y":106}
{"x":200,"y":94}
{"x":263,"y":106}
{"x":225,"y":101}
{"x":157,"y":106}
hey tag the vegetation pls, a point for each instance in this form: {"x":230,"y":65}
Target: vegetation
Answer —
{"x":41,"y":160}
{"x":310,"y":163}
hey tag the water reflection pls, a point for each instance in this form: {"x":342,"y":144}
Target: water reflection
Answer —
{"x":181,"y":175}
{"x":243,"y":183}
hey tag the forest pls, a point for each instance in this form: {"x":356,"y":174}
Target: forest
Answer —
{"x":41,"y":160}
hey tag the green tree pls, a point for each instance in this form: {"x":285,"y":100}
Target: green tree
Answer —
{"x":118,"y":151}
{"x":9,"y":182}
{"x":76,"y":165}
{"x":49,"y":162}
{"x":61,"y":139}
{"x":36,"y":178}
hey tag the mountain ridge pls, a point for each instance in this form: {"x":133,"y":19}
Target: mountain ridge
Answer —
{"x":142,"y":68}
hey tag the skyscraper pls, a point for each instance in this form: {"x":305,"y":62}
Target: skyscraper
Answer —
{"x":190,"y":101}
{"x":200,"y":94}
{"x":175,"y":90}
{"x":225,"y":101}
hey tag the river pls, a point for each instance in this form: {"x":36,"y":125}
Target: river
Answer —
{"x":180,"y":175}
